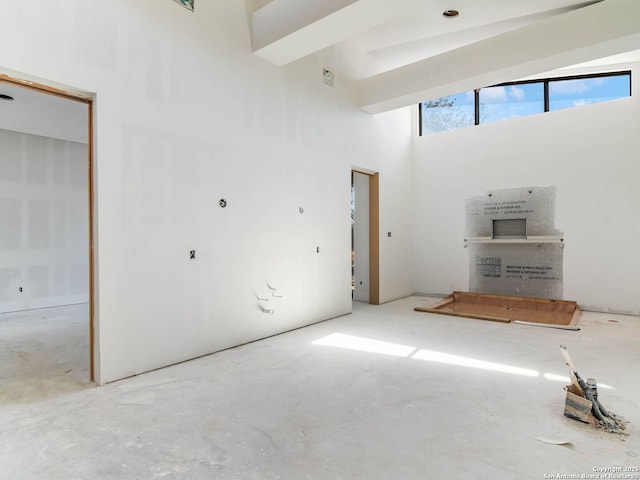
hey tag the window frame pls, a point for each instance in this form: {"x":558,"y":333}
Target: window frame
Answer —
{"x":544,"y":81}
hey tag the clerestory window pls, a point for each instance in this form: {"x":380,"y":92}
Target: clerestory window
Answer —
{"x":518,"y":99}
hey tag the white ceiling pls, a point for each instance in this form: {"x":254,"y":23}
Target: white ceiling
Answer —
{"x":390,"y":47}
{"x":427,"y":32}
{"x":42,"y":114}
{"x":398,"y":32}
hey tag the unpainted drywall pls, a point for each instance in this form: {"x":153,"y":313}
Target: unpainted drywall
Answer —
{"x":187,"y":115}
{"x":44,"y":218}
{"x":589,"y":153}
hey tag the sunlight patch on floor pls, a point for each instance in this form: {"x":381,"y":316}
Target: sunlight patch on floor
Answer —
{"x":362,"y":344}
{"x":460,"y":361}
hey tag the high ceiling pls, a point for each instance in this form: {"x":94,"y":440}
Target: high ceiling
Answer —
{"x":402,"y":50}
{"x":404,"y":32}
{"x":428,"y":33}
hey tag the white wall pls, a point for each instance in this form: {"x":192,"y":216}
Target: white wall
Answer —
{"x":186,"y":115}
{"x":43,"y":222}
{"x":589,"y":153}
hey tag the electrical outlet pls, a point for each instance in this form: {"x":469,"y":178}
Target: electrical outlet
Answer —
{"x":327,"y":77}
{"x":20,"y":289}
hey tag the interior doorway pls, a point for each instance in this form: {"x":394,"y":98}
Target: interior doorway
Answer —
{"x":365,"y":237}
{"x":46,"y":219}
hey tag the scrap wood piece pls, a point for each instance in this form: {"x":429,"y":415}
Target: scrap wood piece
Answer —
{"x":565,"y":353}
{"x":578,"y":408}
{"x":548,"y":325}
{"x":554,"y":440}
{"x":575,"y":385}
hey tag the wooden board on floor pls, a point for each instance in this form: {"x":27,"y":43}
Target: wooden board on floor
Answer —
{"x":502,"y":308}
{"x":467,"y":314}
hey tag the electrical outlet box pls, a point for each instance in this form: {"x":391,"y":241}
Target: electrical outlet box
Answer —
{"x":327,"y":77}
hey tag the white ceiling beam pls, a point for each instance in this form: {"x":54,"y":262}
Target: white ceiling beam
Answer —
{"x":599,"y":30}
{"x":286,"y":30}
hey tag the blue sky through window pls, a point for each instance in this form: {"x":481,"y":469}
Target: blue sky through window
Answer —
{"x":511,"y":101}
{"x":520,"y":99}
{"x":584,"y":91}
{"x":448,"y":113}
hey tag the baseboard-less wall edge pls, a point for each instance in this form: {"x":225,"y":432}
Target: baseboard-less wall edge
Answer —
{"x":393,"y":299}
{"x":44,"y":307}
{"x":430,"y":295}
{"x":612,"y":311}
{"x":196,"y":357}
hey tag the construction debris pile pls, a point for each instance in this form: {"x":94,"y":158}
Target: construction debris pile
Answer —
{"x":582,"y":401}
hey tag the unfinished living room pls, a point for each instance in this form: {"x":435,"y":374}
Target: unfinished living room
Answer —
{"x":267,"y":239}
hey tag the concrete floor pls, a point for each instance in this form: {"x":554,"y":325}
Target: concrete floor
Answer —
{"x":289,"y":408}
{"x":43,"y":353}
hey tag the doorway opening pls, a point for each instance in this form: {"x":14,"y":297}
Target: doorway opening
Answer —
{"x":365,"y":242}
{"x":46,"y":238}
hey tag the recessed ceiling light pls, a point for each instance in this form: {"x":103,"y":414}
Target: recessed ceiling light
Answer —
{"x":5,"y":97}
{"x":450,"y":13}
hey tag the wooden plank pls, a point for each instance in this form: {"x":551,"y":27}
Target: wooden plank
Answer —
{"x":524,"y":310}
{"x":444,"y":302}
{"x":548,"y":325}
{"x":92,"y":282}
{"x":576,"y":316}
{"x":374,"y":239}
{"x":575,"y":387}
{"x":466,"y":315}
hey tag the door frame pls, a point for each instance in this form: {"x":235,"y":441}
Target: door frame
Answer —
{"x":374,"y":233}
{"x":76,"y":97}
